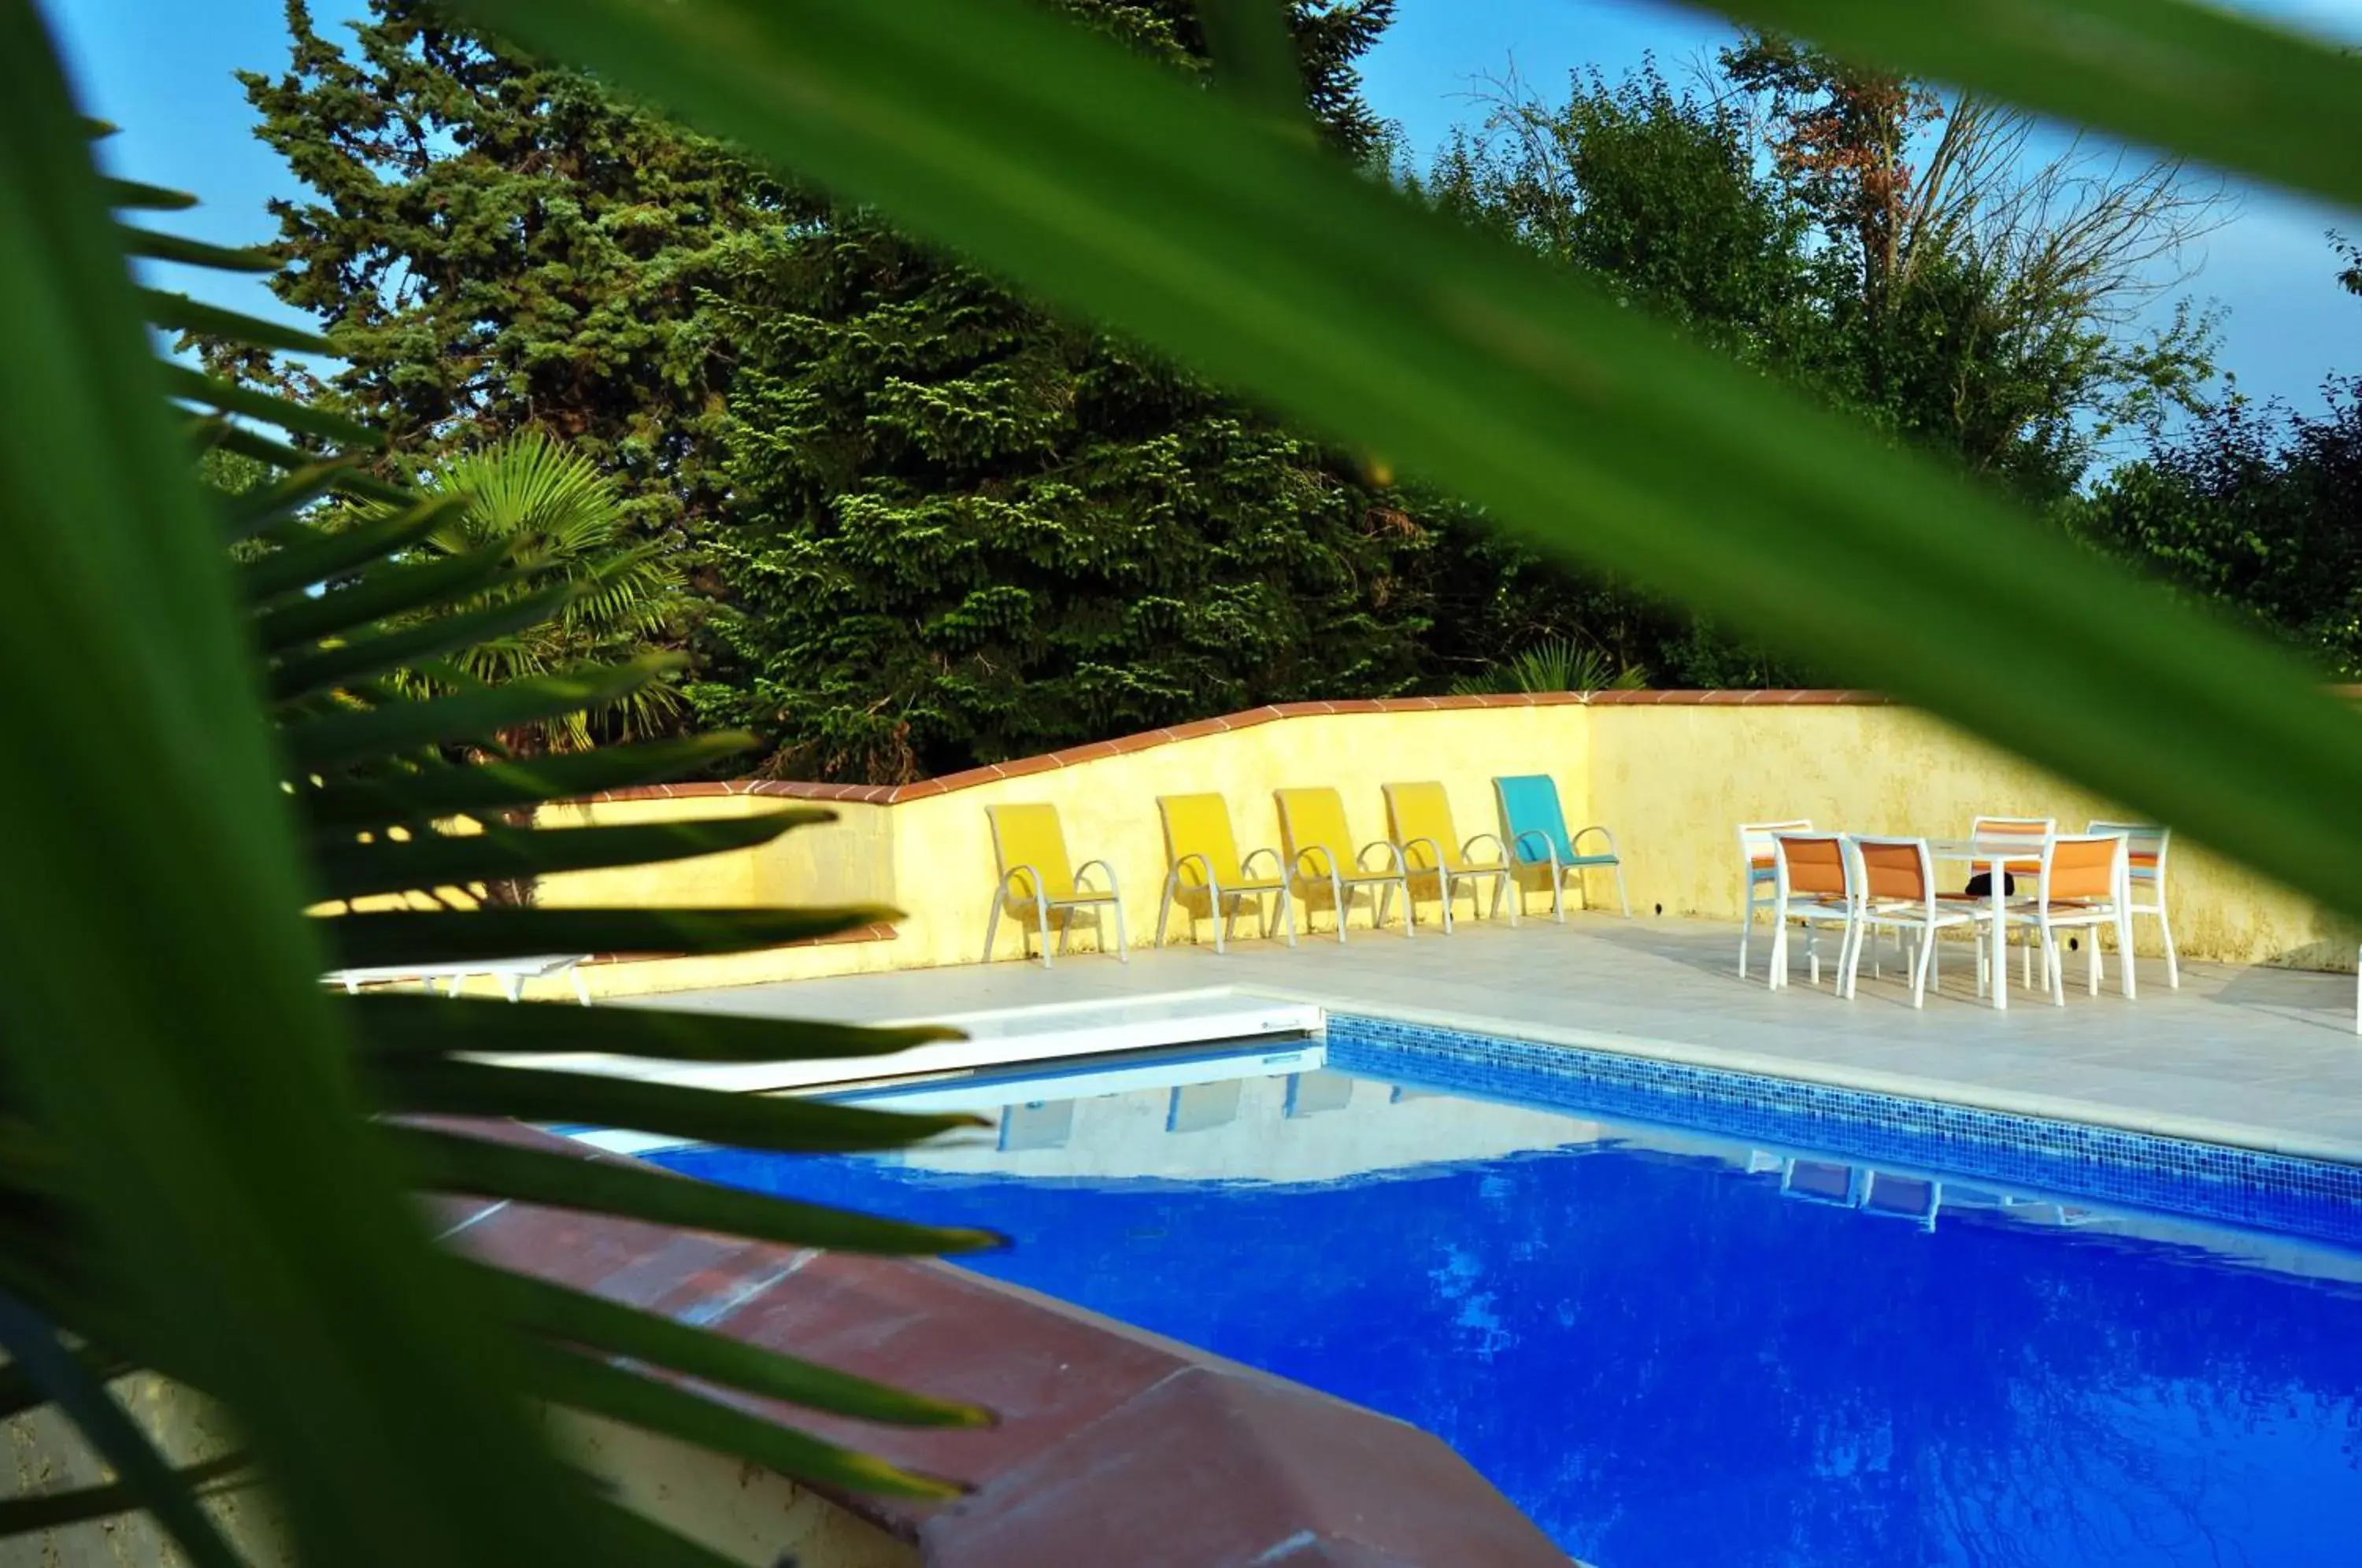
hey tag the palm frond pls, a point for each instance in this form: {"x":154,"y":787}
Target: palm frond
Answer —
{"x":349,"y":607}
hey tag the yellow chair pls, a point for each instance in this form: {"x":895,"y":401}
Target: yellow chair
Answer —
{"x":1314,"y":839}
{"x":1208,"y":879}
{"x":1418,"y":820}
{"x":1037,"y":879}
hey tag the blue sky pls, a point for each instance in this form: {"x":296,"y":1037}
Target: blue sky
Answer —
{"x":162,"y":72}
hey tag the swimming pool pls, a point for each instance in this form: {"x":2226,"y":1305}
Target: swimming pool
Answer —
{"x":1676,"y":1332}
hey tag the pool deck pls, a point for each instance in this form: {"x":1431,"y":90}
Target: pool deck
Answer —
{"x":2262,"y":1058}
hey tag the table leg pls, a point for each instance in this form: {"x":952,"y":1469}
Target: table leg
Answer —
{"x":1997,"y":874}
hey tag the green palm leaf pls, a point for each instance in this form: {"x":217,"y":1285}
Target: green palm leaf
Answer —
{"x":446,"y":1163}
{"x":644,"y":1337}
{"x":32,"y":1343}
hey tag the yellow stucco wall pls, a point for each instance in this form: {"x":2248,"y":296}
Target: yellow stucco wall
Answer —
{"x":1674,"y":781}
{"x":944,"y":850}
{"x":932,"y":857}
{"x":847,"y":861}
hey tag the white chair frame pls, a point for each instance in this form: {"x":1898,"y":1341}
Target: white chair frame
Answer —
{"x":1224,"y":905}
{"x":1813,"y":912}
{"x":1559,"y":872}
{"x":1449,"y":881}
{"x":2037,"y":915}
{"x":1343,"y":883}
{"x":1044,"y":904}
{"x":1758,"y":888}
{"x":1923,"y":919}
{"x":2153,"y":881}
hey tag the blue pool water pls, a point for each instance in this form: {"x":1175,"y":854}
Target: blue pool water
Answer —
{"x":1680,"y":1349}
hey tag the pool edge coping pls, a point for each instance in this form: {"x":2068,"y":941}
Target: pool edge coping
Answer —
{"x":2293,"y":1143}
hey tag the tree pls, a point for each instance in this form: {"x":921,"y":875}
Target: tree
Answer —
{"x":493,"y":243}
{"x":1995,"y":296}
{"x":2258,"y":510}
{"x":1892,"y":249}
{"x":1653,"y":195}
{"x":563,"y":521}
{"x":962,"y":530}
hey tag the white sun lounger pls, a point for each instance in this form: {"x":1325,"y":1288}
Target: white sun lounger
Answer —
{"x":512,"y":974}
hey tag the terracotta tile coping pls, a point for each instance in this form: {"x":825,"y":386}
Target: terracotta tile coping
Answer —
{"x":1113,"y":1445}
{"x":894,"y":794}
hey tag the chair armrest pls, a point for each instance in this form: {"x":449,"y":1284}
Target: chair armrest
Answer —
{"x":1105,"y":870}
{"x":1550,"y":846}
{"x":1009,"y":878}
{"x":1246,"y":866}
{"x":1323,"y":865}
{"x":1394,"y":851}
{"x":1576,"y":843}
{"x":1205,"y":869}
{"x":1403,"y":850}
{"x":1500,"y":850}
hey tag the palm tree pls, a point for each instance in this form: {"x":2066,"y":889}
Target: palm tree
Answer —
{"x":564,"y":519}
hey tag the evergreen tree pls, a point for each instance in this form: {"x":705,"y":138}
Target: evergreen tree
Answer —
{"x":962,"y":529}
{"x":492,"y":245}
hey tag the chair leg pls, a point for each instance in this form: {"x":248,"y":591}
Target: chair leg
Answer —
{"x":1164,"y":911}
{"x":992,"y":927}
{"x":2165,"y":928}
{"x":1745,"y":921}
{"x":1123,"y":948}
{"x":2129,"y":981}
{"x":1287,"y":916}
{"x":1622,"y":896}
{"x":2091,"y":962}
{"x":1041,"y":914}
{"x":581,"y":991}
{"x":2052,"y":970}
{"x":1407,"y":932}
{"x":1921,"y":963}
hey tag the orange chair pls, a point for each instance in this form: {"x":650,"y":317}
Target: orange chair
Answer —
{"x":2082,"y":887}
{"x":1898,"y":891}
{"x":1813,"y":885}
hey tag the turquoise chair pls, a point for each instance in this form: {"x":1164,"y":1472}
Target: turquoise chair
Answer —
{"x":1534,"y":827}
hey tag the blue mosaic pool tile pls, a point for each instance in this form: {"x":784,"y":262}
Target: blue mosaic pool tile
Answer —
{"x":2247,"y":1187}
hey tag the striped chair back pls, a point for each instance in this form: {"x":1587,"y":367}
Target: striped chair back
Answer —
{"x":2010,"y":831}
{"x":1756,"y":846}
{"x":2145,"y":847}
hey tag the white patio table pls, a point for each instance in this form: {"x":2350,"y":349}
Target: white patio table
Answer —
{"x":1991,"y":857}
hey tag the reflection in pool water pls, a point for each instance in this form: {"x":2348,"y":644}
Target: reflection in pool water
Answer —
{"x":1675,"y":1352}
